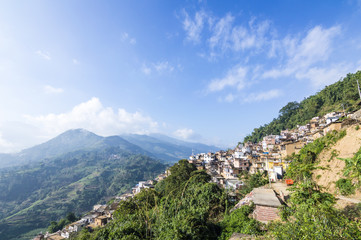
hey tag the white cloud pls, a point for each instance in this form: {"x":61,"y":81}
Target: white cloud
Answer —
{"x":93,"y":116}
{"x":52,"y":90}
{"x":223,"y":34}
{"x":301,"y":54}
{"x":126,"y":38}
{"x":146,"y":70}
{"x":235,"y":77}
{"x":132,"y":41}
{"x":263,"y":96}
{"x":44,"y":55}
{"x":194,"y":27}
{"x":184,"y":133}
{"x":299,"y":57}
{"x":230,"y":98}
{"x":315,"y":47}
{"x":159,"y":67}
{"x":242,"y":39}
{"x":75,"y":61}
{"x":321,"y":77}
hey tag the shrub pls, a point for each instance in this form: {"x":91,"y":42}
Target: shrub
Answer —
{"x":345,"y":186}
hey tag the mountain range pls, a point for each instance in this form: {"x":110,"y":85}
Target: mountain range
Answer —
{"x":157,"y":146}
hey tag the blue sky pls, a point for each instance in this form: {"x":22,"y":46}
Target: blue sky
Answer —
{"x":205,"y":71}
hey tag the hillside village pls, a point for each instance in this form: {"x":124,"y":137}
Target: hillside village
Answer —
{"x":269,"y":155}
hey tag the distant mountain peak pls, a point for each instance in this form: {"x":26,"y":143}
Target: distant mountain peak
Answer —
{"x":78,"y":131}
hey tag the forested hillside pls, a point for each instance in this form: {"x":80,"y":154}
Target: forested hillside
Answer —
{"x":342,"y":94}
{"x":186,"y":205}
{"x":33,"y":195}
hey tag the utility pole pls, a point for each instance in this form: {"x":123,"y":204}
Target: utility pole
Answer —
{"x":358,"y":86}
{"x":343,"y":106}
{"x":269,"y":179}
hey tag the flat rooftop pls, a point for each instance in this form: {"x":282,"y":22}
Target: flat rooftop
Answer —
{"x":265,"y":197}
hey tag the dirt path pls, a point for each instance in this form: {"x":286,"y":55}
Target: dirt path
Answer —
{"x":351,"y":200}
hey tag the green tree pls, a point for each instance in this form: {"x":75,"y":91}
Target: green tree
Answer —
{"x":239,"y":221}
{"x":71,"y":217}
{"x":353,"y":167}
{"x":253,"y":181}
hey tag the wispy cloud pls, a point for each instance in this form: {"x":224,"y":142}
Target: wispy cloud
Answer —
{"x":300,"y":56}
{"x":184,"y":133}
{"x":223,"y":34}
{"x":52,"y":90}
{"x":146,"y":70}
{"x":303,"y":54}
{"x":251,"y":97}
{"x":75,"y":61}
{"x":235,"y":77}
{"x":162,"y":67}
{"x":44,"y":55}
{"x":126,"y":38}
{"x":194,"y":27}
{"x":320,"y":77}
{"x":262,"y":96}
{"x":230,"y":98}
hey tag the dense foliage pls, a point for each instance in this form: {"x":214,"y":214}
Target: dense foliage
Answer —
{"x":32,"y":196}
{"x":183,"y":206}
{"x":311,"y":215}
{"x":252,"y":181}
{"x":352,"y":172}
{"x":238,"y":221}
{"x":55,"y":226}
{"x":345,"y":186}
{"x":353,"y":167}
{"x":342,"y":94}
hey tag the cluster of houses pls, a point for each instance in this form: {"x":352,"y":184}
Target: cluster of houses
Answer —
{"x":99,"y":216}
{"x":224,"y":167}
{"x":269,"y":155}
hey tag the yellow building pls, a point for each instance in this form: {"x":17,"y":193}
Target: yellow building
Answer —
{"x":291,"y":147}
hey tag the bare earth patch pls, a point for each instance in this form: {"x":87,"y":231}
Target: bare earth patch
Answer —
{"x":344,"y":148}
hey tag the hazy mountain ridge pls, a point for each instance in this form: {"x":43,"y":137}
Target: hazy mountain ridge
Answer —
{"x":167,"y":148}
{"x":158,"y":146}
